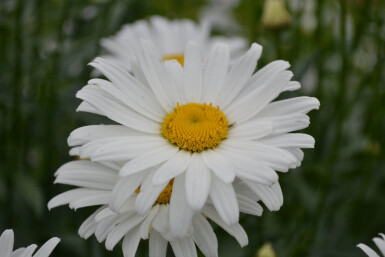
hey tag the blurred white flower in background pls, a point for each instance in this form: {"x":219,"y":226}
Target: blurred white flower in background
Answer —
{"x":7,"y":241}
{"x":170,"y":38}
{"x":380,"y":243}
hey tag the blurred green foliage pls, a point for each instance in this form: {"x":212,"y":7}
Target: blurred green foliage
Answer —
{"x":336,"y":49}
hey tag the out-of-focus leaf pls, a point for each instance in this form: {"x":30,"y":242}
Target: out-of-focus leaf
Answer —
{"x":30,"y":192}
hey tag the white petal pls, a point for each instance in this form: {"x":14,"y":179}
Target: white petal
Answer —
{"x":85,"y":134}
{"x":192,"y":73}
{"x":160,"y":222}
{"x":148,"y":195}
{"x":296,"y":140}
{"x":369,"y":252}
{"x":184,"y":247}
{"x":248,"y":168}
{"x":215,"y":71}
{"x":180,"y":212}
{"x":235,"y":230}
{"x":80,"y":197}
{"x":116,"y":111}
{"x":251,"y":129}
{"x":221,"y":167}
{"x":127,"y":89}
{"x":224,"y":200}
{"x":244,"y":108}
{"x":149,"y":160}
{"x":249,"y":206}
{"x":131,"y":242}
{"x":198,"y":182}
{"x":25,"y":253}
{"x":292,"y":86}
{"x":122,"y":148}
{"x":380,"y":243}
{"x":121,"y":230}
{"x":264,"y":75}
{"x":271,"y":196}
{"x":204,"y":236}
{"x":302,"y":104}
{"x":6,"y":243}
{"x":145,"y":227}
{"x":156,"y":75}
{"x":87,"y":174}
{"x":86,"y":107}
{"x":175,"y":70}
{"x":88,"y":226}
{"x":238,"y":75}
{"x":124,"y":188}
{"x":157,"y":245}
{"x":172,"y":168}
{"x":47,"y":248}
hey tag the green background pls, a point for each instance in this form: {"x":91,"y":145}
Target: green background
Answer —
{"x":331,"y":203}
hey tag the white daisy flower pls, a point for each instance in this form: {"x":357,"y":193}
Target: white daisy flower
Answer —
{"x":210,"y":121}
{"x":167,"y":214}
{"x":380,"y":243}
{"x":171,"y":37}
{"x":6,"y":247}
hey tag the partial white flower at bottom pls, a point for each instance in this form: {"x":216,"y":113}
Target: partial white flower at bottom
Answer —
{"x":6,"y":247}
{"x":380,"y":243}
{"x":168,"y":219}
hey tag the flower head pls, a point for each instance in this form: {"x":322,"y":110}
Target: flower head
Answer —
{"x":6,"y":247}
{"x":380,"y":243}
{"x":211,"y":122}
{"x":168,"y":218}
{"x":171,"y":37}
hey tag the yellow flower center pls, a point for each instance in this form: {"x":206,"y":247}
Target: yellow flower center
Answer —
{"x":195,"y":127}
{"x":178,"y":57}
{"x":165,"y":195}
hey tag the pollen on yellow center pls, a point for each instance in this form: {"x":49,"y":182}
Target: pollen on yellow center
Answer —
{"x":165,"y":195}
{"x":178,"y":57}
{"x":195,"y":127}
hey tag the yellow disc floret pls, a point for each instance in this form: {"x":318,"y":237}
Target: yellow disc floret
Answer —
{"x":178,"y":57}
{"x":195,"y":127}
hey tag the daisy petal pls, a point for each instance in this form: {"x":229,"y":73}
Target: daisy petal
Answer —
{"x":302,"y":104}
{"x":180,"y":212}
{"x":85,"y":134}
{"x":271,"y":196}
{"x":47,"y":248}
{"x":221,"y":167}
{"x":120,"y":230}
{"x":131,"y":242}
{"x":204,"y":236}
{"x":369,"y":252}
{"x":158,"y":246}
{"x":249,"y":206}
{"x":124,"y":188}
{"x":215,"y":71}
{"x":148,"y":160}
{"x":145,"y":227}
{"x":184,"y":247}
{"x":172,"y":168}
{"x":238,"y":75}
{"x":251,"y":130}
{"x":192,"y":73}
{"x":296,"y":140}
{"x":224,"y":200}
{"x":380,"y":243}
{"x":235,"y":230}
{"x":197,"y":183}
{"x":6,"y":242}
{"x":116,"y":111}
{"x":88,"y":226}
